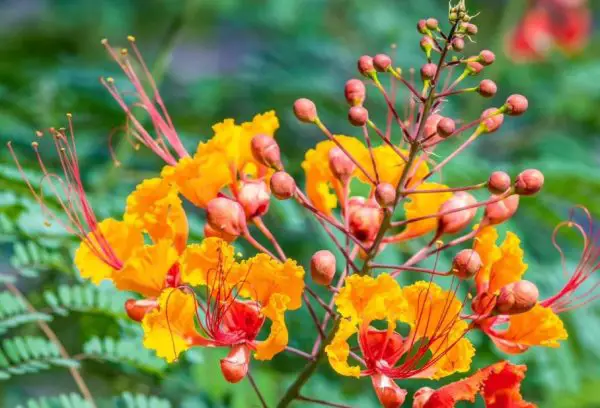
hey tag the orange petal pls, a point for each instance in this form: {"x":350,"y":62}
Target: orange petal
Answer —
{"x":510,"y":267}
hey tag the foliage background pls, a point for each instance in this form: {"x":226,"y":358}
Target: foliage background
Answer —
{"x":233,"y":58}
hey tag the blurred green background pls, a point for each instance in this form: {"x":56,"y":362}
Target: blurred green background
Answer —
{"x":232,"y":58}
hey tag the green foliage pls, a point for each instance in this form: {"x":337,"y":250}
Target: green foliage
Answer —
{"x":85,"y":298}
{"x":14,"y":312}
{"x":127,"y":352}
{"x":129,"y":400}
{"x":62,"y":401}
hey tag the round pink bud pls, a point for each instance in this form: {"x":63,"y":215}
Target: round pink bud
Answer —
{"x":427,"y":43}
{"x":211,"y":232}
{"x":445,"y":127}
{"x":266,"y":151}
{"x":428,"y":71}
{"x":432,"y":23}
{"x":340,"y":164}
{"x":458,"y":44}
{"x":385,"y":194}
{"x":358,"y":115}
{"x":382,"y":62}
{"x":422,"y":27}
{"x":487,"y":57}
{"x":137,"y":309}
{"x":422,"y":396}
{"x":282,"y":185}
{"x":254,"y":198}
{"x":454,"y":222}
{"x":365,"y":66}
{"x":305,"y":110}
{"x":471,"y":29}
{"x":365,"y":217}
{"x":355,"y":92}
{"x":516,"y":105}
{"x":529,"y":182}
{"x":501,"y":211}
{"x":235,"y":366}
{"x":487,"y":88}
{"x":466,"y":264}
{"x":474,"y":68}
{"x":493,"y":120}
{"x":430,"y":128}
{"x":322,"y":267}
{"x":498,"y":182}
{"x":517,"y":297}
{"x":226,"y":216}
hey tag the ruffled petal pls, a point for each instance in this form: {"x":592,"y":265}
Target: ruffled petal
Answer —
{"x":489,"y":252}
{"x":456,"y":353}
{"x":119,"y":237}
{"x":207,"y":263}
{"x":278,"y":336}
{"x":390,"y":166}
{"x":339,"y":350}
{"x":510,"y":267}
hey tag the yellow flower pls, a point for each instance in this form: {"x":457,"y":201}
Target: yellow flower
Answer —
{"x":390,"y":166}
{"x":208,"y":263}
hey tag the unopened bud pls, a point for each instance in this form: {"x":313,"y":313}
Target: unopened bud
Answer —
{"x":471,"y":29}
{"x":422,"y":396}
{"x":453,"y":17}
{"x":266,"y":151}
{"x":498,"y":182}
{"x":365,"y":66}
{"x":322,"y":267}
{"x":474,"y":68}
{"x":385,"y":194}
{"x":493,"y":120}
{"x":501,"y":211}
{"x":517,"y":297}
{"x":227,"y":216}
{"x":365,"y":217}
{"x":427,"y":44}
{"x":529,"y":182}
{"x":487,"y":57}
{"x":454,"y":222}
{"x":428,"y":71}
{"x":305,"y":110}
{"x":422,"y":27}
{"x":432,"y":24}
{"x":487,"y":88}
{"x":340,"y":164}
{"x":458,"y":44}
{"x":516,"y":105}
{"x":211,"y":232}
{"x":445,"y":127}
{"x":254,"y":198}
{"x":235,"y":366}
{"x":137,"y":309}
{"x":484,"y":303}
{"x":430,"y":128}
{"x":282,"y":185}
{"x":355,"y":92}
{"x":466,"y":264}
{"x":382,"y":62}
{"x":358,"y":115}
{"x":390,"y":395}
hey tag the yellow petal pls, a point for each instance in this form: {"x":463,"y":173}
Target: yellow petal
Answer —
{"x":207,"y":263}
{"x":489,"y":252}
{"x":319,"y":178}
{"x":510,"y":267}
{"x":390,"y":166}
{"x":146,"y":270}
{"x":168,"y":329}
{"x":364,"y":299}
{"x":278,"y":336}
{"x":261,"y":277}
{"x":538,"y":327}
{"x":155,"y":207}
{"x":339,"y":350}
{"x":420,"y":205}
{"x":120,"y":237}
{"x":457,"y":353}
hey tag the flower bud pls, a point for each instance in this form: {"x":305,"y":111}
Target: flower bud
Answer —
{"x":458,"y":44}
{"x":428,"y":71}
{"x":466,"y":264}
{"x":254,"y":198}
{"x":484,"y":303}
{"x":471,"y":29}
{"x":501,"y":211}
{"x":266,"y":151}
{"x":487,"y":88}
{"x":474,"y":68}
{"x":282,"y":185}
{"x":452,"y":17}
{"x":137,"y":309}
{"x":427,"y":44}
{"x":365,"y":217}
{"x":211,"y":232}
{"x":457,"y":221}
{"x":445,"y":127}
{"x":422,"y":27}
{"x":358,"y":115}
{"x":365,"y":66}
{"x":355,"y":92}
{"x":382,"y":62}
{"x":322,"y":267}
{"x":390,"y":395}
{"x":235,"y":366}
{"x":305,"y":110}
{"x":226,"y":216}
{"x":516,"y":105}
{"x":430,"y":128}
{"x":421,"y":397}
{"x":487,"y":57}
{"x":385,"y":194}
{"x":498,"y":182}
{"x":432,"y":24}
{"x":340,"y":164}
{"x":529,"y":182}
{"x":517,"y":297}
{"x":493,"y":120}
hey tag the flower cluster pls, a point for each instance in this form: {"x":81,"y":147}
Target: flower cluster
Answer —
{"x":374,"y":191}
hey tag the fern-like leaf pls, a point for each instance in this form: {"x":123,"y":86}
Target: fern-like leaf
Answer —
{"x":129,"y":400}
{"x":86,"y":298}
{"x":61,"y":401}
{"x":29,"y":258}
{"x":126,"y":351}
{"x":14,"y":312}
